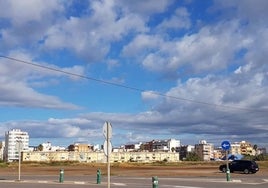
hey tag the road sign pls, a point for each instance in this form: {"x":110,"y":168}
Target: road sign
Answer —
{"x":107,"y":130}
{"x":225,"y":145}
{"x":107,"y":147}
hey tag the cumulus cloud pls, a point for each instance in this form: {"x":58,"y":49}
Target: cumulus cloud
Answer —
{"x":145,"y":7}
{"x":180,"y":20}
{"x":90,"y":37}
{"x":27,"y":22}
{"x":213,"y":50}
{"x":32,"y":10}
{"x":16,"y":86}
{"x":149,"y":95}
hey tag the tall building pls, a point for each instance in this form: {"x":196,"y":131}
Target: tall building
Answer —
{"x":15,"y":141}
{"x":204,"y":150}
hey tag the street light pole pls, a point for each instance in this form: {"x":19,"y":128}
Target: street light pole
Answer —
{"x":19,"y":159}
{"x":19,"y":142}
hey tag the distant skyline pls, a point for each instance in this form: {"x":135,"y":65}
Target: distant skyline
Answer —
{"x":156,"y":69}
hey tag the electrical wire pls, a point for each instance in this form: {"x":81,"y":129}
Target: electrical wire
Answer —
{"x":131,"y":88}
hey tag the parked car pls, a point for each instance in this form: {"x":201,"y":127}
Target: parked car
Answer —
{"x":246,"y":166}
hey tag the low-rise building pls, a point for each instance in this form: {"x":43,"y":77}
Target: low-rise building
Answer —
{"x":99,"y":157}
{"x":80,"y":147}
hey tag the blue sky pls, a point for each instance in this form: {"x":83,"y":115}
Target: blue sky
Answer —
{"x":156,"y":69}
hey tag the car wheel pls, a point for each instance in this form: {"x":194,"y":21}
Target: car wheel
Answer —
{"x":223,"y":169}
{"x":246,"y":171}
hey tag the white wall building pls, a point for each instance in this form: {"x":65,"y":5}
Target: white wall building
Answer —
{"x":49,"y":147}
{"x":173,"y":144}
{"x":15,"y":141}
{"x":2,"y":147}
{"x":166,"y":145}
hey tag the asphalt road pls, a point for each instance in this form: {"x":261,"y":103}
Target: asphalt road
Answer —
{"x":246,"y":181}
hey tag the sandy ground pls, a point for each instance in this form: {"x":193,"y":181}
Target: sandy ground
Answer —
{"x":144,"y":170}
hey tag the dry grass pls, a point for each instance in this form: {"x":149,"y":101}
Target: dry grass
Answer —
{"x":200,"y":169}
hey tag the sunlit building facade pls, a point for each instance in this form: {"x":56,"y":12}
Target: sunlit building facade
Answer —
{"x":15,"y":141}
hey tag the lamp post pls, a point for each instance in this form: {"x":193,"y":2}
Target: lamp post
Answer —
{"x":19,"y":144}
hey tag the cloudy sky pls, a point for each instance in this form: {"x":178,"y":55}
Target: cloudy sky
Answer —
{"x":156,"y":69}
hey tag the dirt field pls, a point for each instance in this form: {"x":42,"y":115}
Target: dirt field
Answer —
{"x":209,"y":169}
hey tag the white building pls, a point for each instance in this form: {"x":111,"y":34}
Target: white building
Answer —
{"x":173,"y":144}
{"x":235,"y":148}
{"x":166,"y":145}
{"x":15,"y":141}
{"x":2,"y":147}
{"x":49,"y":147}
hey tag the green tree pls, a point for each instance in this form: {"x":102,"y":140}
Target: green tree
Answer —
{"x":192,"y":156}
{"x":142,"y":147}
{"x":255,"y":147}
{"x":40,"y":147}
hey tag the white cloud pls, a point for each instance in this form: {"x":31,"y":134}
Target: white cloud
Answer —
{"x":78,"y":121}
{"x":149,"y":95}
{"x":90,"y":37}
{"x":180,"y":20}
{"x":16,"y":85}
{"x":27,"y":22}
{"x":147,"y":7}
{"x":21,"y":12}
{"x":246,"y":10}
{"x":209,"y":50}
{"x":139,"y":44}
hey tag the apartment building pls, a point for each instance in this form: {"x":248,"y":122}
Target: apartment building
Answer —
{"x":15,"y":142}
{"x":246,"y":148}
{"x":165,"y":145}
{"x":204,"y":150}
{"x":235,"y":148}
{"x":168,"y":145}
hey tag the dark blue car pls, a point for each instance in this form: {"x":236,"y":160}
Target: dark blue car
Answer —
{"x":246,"y":166}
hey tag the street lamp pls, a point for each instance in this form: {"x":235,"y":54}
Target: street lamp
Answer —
{"x":19,"y":145}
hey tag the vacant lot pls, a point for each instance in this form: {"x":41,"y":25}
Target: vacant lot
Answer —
{"x":183,"y":169}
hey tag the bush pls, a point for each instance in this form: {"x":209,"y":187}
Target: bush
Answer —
{"x":192,"y":156}
{"x":261,"y":157}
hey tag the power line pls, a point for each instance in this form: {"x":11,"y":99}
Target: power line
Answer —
{"x":131,"y":88}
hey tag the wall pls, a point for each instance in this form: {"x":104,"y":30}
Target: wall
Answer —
{"x":39,"y":156}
